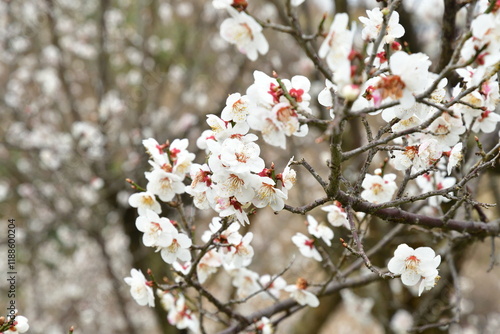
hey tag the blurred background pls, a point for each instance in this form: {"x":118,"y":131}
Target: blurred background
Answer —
{"x":84,"y":82}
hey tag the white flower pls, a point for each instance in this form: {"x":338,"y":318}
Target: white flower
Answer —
{"x":236,"y":108}
{"x":325,"y":97}
{"x":409,"y":77}
{"x":246,"y":282}
{"x":156,"y":151}
{"x":267,"y":194}
{"x":19,"y":325}
{"x":336,"y":215}
{"x":401,"y":322}
{"x":144,"y":201}
{"x":320,"y":231}
{"x":296,"y":3}
{"x":240,"y":157}
{"x":378,"y":189}
{"x":167,"y":299}
{"x":239,"y":185}
{"x":435,"y":181}
{"x":208,"y":264}
{"x":140,"y":289}
{"x":306,"y":246}
{"x":265,"y":326}
{"x":164,"y":185}
{"x":154,"y":229}
{"x":178,"y":249}
{"x":299,"y":293}
{"x":222,"y":4}
{"x":243,"y":31}
{"x":336,"y":49}
{"x":374,"y":22}
{"x":486,"y":122}
{"x":447,"y":130}
{"x":183,"y":268}
{"x":429,"y":152}
{"x":415,"y":265}
{"x":182,"y":317}
{"x":274,"y":288}
{"x":455,"y":157}
{"x":241,"y":253}
{"x":288,"y":178}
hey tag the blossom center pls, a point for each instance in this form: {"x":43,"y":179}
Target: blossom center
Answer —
{"x":391,"y":86}
{"x":412,"y":262}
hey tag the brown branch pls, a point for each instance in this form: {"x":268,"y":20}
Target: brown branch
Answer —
{"x":478,"y":229}
{"x":288,"y":304}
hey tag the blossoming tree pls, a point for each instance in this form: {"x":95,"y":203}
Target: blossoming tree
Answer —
{"x":362,"y":164}
{"x":429,"y":151}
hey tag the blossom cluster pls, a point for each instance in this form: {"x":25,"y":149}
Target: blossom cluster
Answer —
{"x":427,"y":124}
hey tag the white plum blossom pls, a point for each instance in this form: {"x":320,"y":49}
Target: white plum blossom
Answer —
{"x":267,"y":194}
{"x":236,"y":109}
{"x":447,"y":130}
{"x":241,"y":253}
{"x":296,"y":3}
{"x":239,"y":185}
{"x":222,"y":4}
{"x":373,"y":24}
{"x":239,"y":156}
{"x":18,"y":326}
{"x":486,"y":37}
{"x":455,"y":157}
{"x":242,"y":30}
{"x":325,"y":97}
{"x":288,"y":178}
{"x":246,"y":282}
{"x":486,"y":122}
{"x":401,"y":322}
{"x":306,"y":246}
{"x":178,"y":248}
{"x":320,"y":231}
{"x":140,"y":288}
{"x":415,"y":266}
{"x":272,"y":113}
{"x":144,"y":201}
{"x":429,"y":152}
{"x":182,"y":317}
{"x":378,"y":189}
{"x":208,"y":265}
{"x":155,"y":229}
{"x":409,"y":77}
{"x":164,"y":184}
{"x":273,"y":285}
{"x":183,"y":268}
{"x":301,"y":295}
{"x":167,"y":299}
{"x":337,"y":49}
{"x":156,"y":151}
{"x":433,"y":181}
{"x":336,"y":215}
{"x":265,"y":326}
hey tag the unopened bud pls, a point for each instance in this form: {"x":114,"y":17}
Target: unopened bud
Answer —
{"x":351,"y":92}
{"x":396,"y":46}
{"x":2,"y":320}
{"x":385,"y":11}
{"x":301,"y":283}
